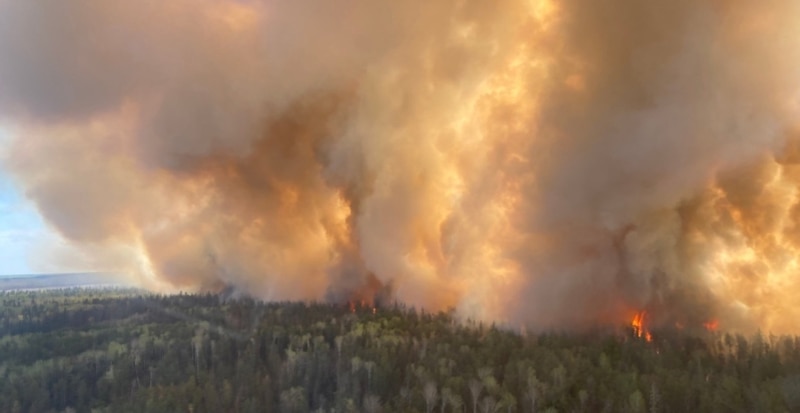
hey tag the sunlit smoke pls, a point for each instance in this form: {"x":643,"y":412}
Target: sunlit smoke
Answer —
{"x":553,"y":163}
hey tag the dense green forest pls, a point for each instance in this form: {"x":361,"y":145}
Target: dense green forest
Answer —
{"x":81,"y":350}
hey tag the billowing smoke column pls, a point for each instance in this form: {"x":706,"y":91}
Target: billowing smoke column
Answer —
{"x":554,"y":163}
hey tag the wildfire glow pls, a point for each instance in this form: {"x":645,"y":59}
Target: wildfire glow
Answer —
{"x":639,"y":327}
{"x":712,"y":325}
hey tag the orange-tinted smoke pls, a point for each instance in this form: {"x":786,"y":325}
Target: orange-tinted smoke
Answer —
{"x":556,"y":163}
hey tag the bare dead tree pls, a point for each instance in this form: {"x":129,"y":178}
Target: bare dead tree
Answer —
{"x":475,"y":388}
{"x":431,"y":395}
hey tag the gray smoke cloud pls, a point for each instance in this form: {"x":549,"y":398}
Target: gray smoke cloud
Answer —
{"x":552,"y":163}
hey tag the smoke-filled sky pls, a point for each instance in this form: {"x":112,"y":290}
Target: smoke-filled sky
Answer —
{"x":554,"y":163}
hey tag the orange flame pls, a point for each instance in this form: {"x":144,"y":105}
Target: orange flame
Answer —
{"x":353,"y":305}
{"x":639,"y":327}
{"x":711,"y":325}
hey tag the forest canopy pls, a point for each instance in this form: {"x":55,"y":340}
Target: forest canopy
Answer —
{"x":124,"y":350}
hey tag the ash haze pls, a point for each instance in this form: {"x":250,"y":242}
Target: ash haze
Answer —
{"x":558,"y":164}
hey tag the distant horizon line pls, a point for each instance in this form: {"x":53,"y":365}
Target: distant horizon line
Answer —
{"x":50,"y":274}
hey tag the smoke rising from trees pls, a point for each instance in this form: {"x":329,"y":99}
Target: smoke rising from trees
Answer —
{"x":552,"y":163}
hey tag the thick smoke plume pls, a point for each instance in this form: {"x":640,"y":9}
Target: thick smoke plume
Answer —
{"x":555,"y":163}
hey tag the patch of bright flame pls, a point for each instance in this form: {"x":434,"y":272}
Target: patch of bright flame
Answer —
{"x":639,"y":327}
{"x":711,"y":325}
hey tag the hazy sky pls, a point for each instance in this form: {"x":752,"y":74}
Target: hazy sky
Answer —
{"x":21,"y":227}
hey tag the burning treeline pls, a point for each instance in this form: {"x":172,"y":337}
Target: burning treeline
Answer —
{"x":554,"y":163}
